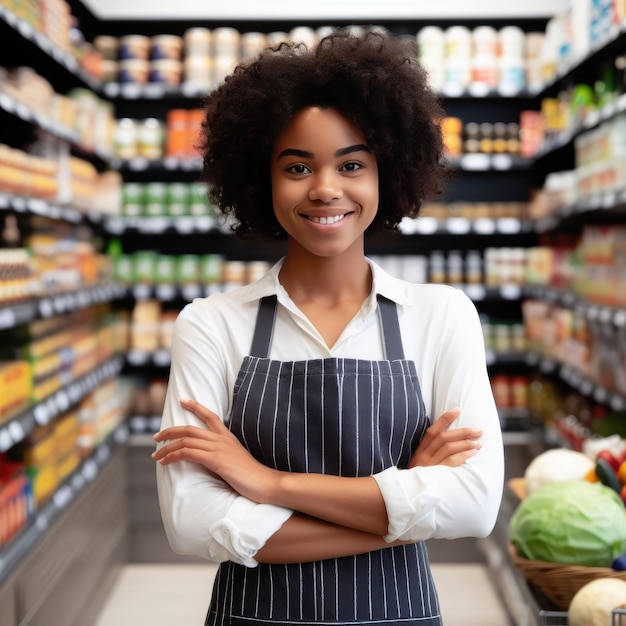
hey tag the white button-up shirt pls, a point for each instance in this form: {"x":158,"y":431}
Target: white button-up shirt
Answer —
{"x":441,"y":333}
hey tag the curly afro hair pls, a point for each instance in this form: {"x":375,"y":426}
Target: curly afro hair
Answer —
{"x":373,"y":79}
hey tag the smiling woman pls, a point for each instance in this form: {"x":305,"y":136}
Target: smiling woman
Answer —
{"x":324,"y":187}
{"x":325,"y":420}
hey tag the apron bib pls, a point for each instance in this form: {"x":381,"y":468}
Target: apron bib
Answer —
{"x":346,"y":417}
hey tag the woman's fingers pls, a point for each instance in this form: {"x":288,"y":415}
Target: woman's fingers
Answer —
{"x":442,"y":445}
{"x":445,"y":420}
{"x":211,"y":419}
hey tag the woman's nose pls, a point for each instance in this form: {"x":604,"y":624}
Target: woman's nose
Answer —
{"x":325,"y":187}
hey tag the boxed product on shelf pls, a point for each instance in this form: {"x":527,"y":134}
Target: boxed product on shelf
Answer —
{"x":16,"y":275}
{"x":50,"y":455}
{"x":101,"y":411}
{"x":16,"y":385}
{"x":25,"y":174}
{"x":16,"y":499}
{"x":144,"y":329}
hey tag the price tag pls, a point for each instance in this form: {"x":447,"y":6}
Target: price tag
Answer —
{"x":478,"y":90}
{"x":490,"y":357}
{"x":619,"y":318}
{"x":484,"y":226}
{"x":592,"y":119}
{"x":510,"y":291}
{"x":138,"y":423}
{"x":41,"y":522}
{"x":155,"y":423}
{"x":165,"y":292}
{"x":191,"y":291}
{"x":475,"y":162}
{"x":137,"y":357}
{"x":184,"y":225}
{"x":7,"y":317}
{"x":171,"y":163}
{"x":131,"y":91}
{"x":25,"y":29}
{"x":90,"y":470}
{"x":138,"y":164}
{"x":162,"y":358}
{"x":62,"y":497}
{"x":458,"y":225}
{"x":154,"y":90}
{"x":19,"y":204}
{"x":112,"y":90}
{"x":62,"y":400}
{"x":475,"y":292}
{"x":16,"y":431}
{"x":121,"y":435}
{"x":502,"y":161}
{"x":102,"y":455}
{"x":40,"y":413}
{"x":5,"y":440}
{"x":77,"y":482}
{"x":46,"y":308}
{"x":142,"y":292}
{"x":508,"y":225}
{"x":426,"y":225}
{"x":600,"y":395}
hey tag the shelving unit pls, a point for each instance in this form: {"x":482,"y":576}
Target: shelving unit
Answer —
{"x":74,"y":539}
{"x":477,"y":178}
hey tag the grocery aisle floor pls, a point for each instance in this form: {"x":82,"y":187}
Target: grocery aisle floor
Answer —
{"x":163,"y":595}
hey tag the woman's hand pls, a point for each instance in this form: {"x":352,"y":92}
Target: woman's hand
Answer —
{"x":218,"y":450}
{"x":441,"y":446}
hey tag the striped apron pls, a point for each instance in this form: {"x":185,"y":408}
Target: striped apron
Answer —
{"x":346,"y":417}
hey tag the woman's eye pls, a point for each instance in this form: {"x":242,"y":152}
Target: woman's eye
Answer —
{"x":298,"y":168}
{"x":351,"y":167}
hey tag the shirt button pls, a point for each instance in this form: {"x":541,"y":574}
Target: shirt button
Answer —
{"x":226,"y":532}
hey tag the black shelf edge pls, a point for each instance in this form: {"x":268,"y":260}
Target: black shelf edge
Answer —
{"x":577,"y":380}
{"x":12,"y":315}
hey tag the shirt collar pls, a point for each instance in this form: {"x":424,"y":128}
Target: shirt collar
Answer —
{"x":382,"y":283}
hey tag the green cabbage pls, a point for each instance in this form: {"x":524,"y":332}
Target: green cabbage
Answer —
{"x":575,"y":522}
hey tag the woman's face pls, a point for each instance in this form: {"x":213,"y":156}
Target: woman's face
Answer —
{"x":324,"y":182}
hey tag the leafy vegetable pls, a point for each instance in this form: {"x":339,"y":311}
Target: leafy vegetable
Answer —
{"x":574,"y":522}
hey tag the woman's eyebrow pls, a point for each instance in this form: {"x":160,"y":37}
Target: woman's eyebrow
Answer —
{"x":359,"y":147}
{"x":305,"y":154}
{"x":294,"y":152}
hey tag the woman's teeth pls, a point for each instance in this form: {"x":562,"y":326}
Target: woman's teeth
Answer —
{"x":327,"y":220}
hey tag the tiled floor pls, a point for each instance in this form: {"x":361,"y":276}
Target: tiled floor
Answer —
{"x":178,"y":595}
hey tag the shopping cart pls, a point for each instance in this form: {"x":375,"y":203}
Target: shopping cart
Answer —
{"x":559,"y":618}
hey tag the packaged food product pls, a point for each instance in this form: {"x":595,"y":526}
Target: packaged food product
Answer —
{"x":197,"y":41}
{"x":107,"y":46}
{"x":166,"y":72}
{"x":134,"y":47}
{"x":166,"y":47}
{"x":134,"y":71}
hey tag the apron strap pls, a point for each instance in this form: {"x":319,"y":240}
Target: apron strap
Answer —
{"x":264,"y":327}
{"x":387,"y":313}
{"x":392,"y":339}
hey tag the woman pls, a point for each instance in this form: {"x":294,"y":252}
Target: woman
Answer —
{"x":323,"y":421}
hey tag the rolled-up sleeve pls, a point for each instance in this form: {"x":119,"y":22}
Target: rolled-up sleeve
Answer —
{"x":451,"y":502}
{"x":202,"y":515}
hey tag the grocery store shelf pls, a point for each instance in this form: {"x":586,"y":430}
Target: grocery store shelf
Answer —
{"x":19,"y":547}
{"x":62,"y":57}
{"x":20,"y":426}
